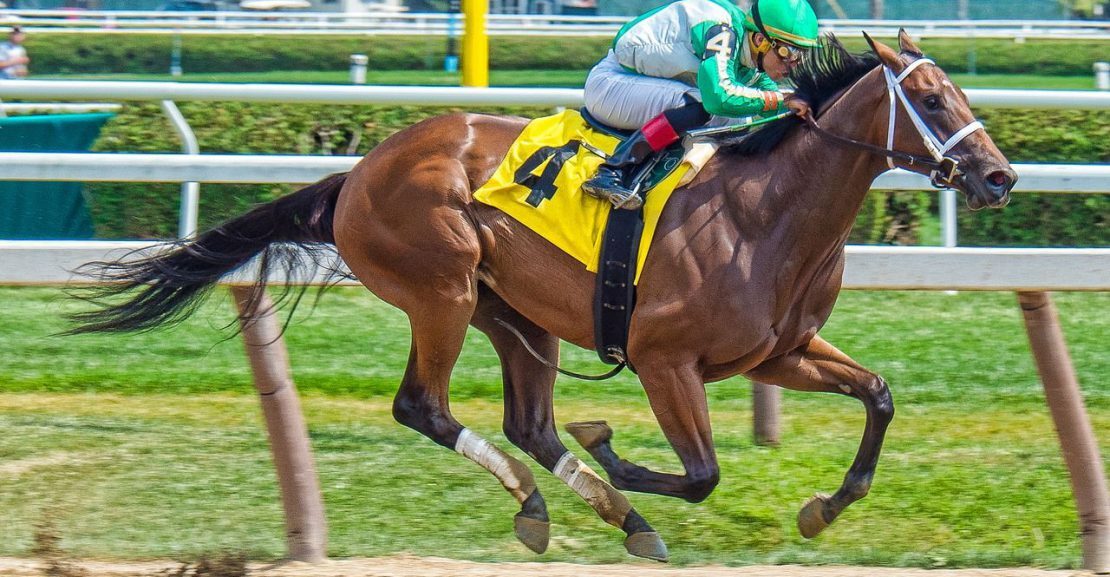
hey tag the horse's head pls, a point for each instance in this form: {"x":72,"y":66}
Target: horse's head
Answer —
{"x":934,"y":121}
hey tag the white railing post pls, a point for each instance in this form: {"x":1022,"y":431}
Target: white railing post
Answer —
{"x":190,"y":191}
{"x":358,"y":68}
{"x":948,"y":217}
{"x":1102,"y":75}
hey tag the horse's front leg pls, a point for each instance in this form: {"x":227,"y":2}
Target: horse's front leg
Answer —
{"x":821,"y":367}
{"x":677,"y":397}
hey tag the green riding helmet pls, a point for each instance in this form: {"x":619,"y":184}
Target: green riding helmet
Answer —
{"x":790,"y":21}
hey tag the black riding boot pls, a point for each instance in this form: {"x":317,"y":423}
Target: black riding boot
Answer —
{"x":620,"y":177}
{"x":613,"y":177}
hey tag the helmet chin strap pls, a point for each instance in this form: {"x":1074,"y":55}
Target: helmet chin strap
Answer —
{"x":764,"y":47}
{"x":761,"y":50}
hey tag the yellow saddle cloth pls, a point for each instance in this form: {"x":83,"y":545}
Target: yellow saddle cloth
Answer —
{"x":539,"y":184}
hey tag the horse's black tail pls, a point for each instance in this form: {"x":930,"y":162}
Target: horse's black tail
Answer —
{"x":166,"y":288}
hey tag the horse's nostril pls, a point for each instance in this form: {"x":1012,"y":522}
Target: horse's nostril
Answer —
{"x":998,"y":178}
{"x":1001,"y":180}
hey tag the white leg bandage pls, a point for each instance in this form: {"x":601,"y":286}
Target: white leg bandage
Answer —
{"x":515,"y":477}
{"x":609,"y":503}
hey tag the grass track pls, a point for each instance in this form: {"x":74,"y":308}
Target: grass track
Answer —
{"x":152,"y":445}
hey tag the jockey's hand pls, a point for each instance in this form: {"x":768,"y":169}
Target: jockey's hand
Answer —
{"x":798,"y":106}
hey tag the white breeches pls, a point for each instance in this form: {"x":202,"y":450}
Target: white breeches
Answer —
{"x":627,"y":100}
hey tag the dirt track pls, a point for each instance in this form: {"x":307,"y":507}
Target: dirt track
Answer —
{"x":407,"y":566}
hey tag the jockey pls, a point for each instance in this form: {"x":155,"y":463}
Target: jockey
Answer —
{"x":673,"y":68}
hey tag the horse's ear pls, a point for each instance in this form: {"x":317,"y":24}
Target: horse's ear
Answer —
{"x":885,"y":53}
{"x":905,"y":43}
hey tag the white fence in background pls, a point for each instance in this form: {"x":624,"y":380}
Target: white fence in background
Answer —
{"x":178,"y":168}
{"x":32,"y":262}
{"x":55,"y":108}
{"x":276,"y":168}
{"x":404,"y":23}
{"x":438,"y":95}
{"x":935,"y":268}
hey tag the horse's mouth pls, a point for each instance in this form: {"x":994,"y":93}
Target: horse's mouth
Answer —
{"x":989,"y":190}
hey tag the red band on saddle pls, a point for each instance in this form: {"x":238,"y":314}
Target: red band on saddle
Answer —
{"x":659,"y":133}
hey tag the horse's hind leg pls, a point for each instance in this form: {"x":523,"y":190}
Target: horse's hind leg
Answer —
{"x":821,"y":367}
{"x":438,"y":329}
{"x":402,"y":226}
{"x":530,"y":422}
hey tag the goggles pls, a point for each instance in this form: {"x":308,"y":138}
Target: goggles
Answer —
{"x":788,"y":53}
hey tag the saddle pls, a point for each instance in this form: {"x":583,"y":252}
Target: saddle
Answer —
{"x":539,"y":185}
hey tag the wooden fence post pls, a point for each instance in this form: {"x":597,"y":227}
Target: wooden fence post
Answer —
{"x":1073,"y":426}
{"x":766,"y":411}
{"x":305,"y":526}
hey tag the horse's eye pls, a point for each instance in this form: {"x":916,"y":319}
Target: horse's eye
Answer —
{"x":932,"y":102}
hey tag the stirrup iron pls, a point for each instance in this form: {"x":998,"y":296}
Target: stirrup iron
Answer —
{"x":631,"y":201}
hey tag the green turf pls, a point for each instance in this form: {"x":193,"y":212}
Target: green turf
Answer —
{"x":152,"y":445}
{"x":559,"y":78}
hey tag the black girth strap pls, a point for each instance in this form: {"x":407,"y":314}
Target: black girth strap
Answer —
{"x":615,"y":295}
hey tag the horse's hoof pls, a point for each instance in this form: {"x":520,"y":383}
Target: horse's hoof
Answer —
{"x":532,"y":532}
{"x":811,"y":519}
{"x":590,"y":434}
{"x":647,"y":544}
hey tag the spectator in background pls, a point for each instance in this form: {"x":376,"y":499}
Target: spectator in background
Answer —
{"x":13,"y":56}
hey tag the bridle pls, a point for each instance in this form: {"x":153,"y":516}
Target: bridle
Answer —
{"x":943,"y":169}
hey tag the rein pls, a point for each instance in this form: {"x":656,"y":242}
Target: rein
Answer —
{"x":943,"y":169}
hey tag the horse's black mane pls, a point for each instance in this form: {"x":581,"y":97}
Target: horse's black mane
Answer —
{"x":825,"y":71}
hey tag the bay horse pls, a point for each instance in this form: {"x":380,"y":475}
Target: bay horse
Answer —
{"x":742,"y":272}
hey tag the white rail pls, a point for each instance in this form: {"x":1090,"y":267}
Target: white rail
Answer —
{"x":303,"y":93}
{"x":437,"y":95}
{"x":867,"y":268}
{"x":272,"y":168}
{"x":389,"y":22}
{"x":55,"y":107}
{"x":930,"y":268}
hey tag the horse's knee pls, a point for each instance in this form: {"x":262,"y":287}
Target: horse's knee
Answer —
{"x":699,"y":484}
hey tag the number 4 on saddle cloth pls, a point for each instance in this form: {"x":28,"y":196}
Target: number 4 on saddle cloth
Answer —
{"x":539,"y":184}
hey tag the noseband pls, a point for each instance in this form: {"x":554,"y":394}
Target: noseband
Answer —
{"x":944,"y":169}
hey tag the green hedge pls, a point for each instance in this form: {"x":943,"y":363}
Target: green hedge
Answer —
{"x":1038,"y":219}
{"x":150,"y":210}
{"x":141,"y":54}
{"x":101,"y":54}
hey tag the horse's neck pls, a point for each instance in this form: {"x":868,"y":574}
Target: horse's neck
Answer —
{"x":820,"y":185}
